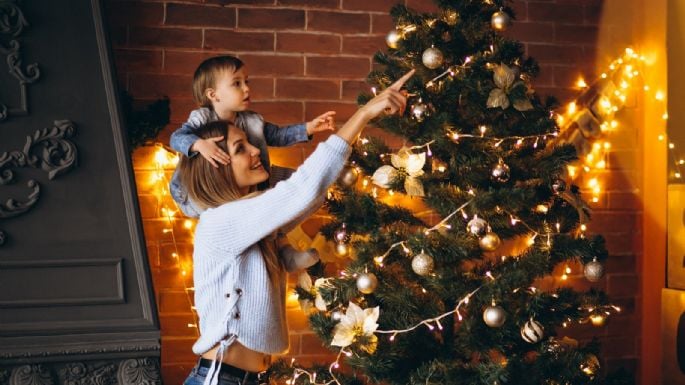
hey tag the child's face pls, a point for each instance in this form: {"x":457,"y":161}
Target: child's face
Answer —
{"x":247,"y":169}
{"x":232,"y":93}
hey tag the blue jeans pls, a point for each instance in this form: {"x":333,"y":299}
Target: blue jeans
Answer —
{"x":198,"y":374}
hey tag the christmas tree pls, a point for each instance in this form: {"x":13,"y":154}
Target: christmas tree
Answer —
{"x":451,"y":297}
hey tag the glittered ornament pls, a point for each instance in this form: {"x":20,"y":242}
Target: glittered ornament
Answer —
{"x":590,"y":365}
{"x":432,"y":58}
{"x":500,"y":21}
{"x":494,"y":316}
{"x":419,"y":110}
{"x":348,"y":177}
{"x":558,"y":186}
{"x":367,"y":283}
{"x":393,"y":38}
{"x":477,"y":226}
{"x":490,"y":242}
{"x":341,"y":249}
{"x":451,"y":17}
{"x":532,"y":331}
{"x":593,"y":271}
{"x":422,"y":264}
{"x":500,"y":172}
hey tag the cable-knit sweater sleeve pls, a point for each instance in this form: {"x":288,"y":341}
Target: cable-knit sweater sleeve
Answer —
{"x":237,"y":225}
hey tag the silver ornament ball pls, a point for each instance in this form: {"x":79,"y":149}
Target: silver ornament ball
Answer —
{"x":348,"y":176}
{"x":422,"y":264}
{"x":532,"y":331}
{"x":593,"y":271}
{"x":477,"y":226}
{"x":490,"y":242}
{"x":393,"y":38}
{"x":494,"y":316}
{"x":500,"y":172}
{"x":367,"y":283}
{"x":419,"y":111}
{"x":500,"y":21}
{"x":432,"y":58}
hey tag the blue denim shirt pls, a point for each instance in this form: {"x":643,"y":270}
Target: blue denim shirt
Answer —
{"x":259,"y":133}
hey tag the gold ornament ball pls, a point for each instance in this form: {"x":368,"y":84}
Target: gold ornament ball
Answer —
{"x":422,"y":264}
{"x":490,"y":242}
{"x":348,"y":176}
{"x":451,"y":17}
{"x":532,"y":331}
{"x":341,"y":249}
{"x":591,"y":365}
{"x":500,"y":21}
{"x":477,"y":226}
{"x":393,"y":38}
{"x":598,"y":320}
{"x":432,"y":58}
{"x":494,"y":316}
{"x":367,"y":283}
{"x":593,"y":271}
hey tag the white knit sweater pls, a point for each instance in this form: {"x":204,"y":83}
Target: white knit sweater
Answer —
{"x":234,"y":297}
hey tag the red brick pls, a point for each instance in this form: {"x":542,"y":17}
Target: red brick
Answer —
{"x":154,"y":85}
{"x":311,"y":344}
{"x":233,"y":2}
{"x":291,"y":156}
{"x":520,"y":10}
{"x":280,"y":112}
{"x":297,"y":320}
{"x":557,"y":13}
{"x":295,"y":344}
{"x":178,"y":349}
{"x":175,"y":301}
{"x":148,"y":205}
{"x":554,"y":53}
{"x":200,"y":15}
{"x":165,"y":37}
{"x":307,"y":89}
{"x":343,"y":110}
{"x":135,"y":59}
{"x":307,"y":42}
{"x":261,"y":88}
{"x":624,"y":201}
{"x":563,"y":95}
{"x":363,"y":45}
{"x":271,"y":18}
{"x":171,"y":279}
{"x":262,"y":65}
{"x":134,"y":13}
{"x":620,"y":243}
{"x":366,"y":5}
{"x":338,"y":67}
{"x":620,"y":264}
{"x":592,"y":14}
{"x":382,"y":24}
{"x":544,"y":78}
{"x":333,"y":4}
{"x":623,"y":285}
{"x":177,"y":325}
{"x":424,"y":6}
{"x":184,"y":62}
{"x":532,"y":32}
{"x":621,"y":325}
{"x":153,"y":254}
{"x":618,"y":346}
{"x":184,"y":251}
{"x":625,"y":160}
{"x":568,"y":75}
{"x":352,"y":88}
{"x":577,"y":34}
{"x":239,"y":41}
{"x":338,"y":22}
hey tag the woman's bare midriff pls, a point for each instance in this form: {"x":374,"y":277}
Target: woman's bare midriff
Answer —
{"x":241,"y":357}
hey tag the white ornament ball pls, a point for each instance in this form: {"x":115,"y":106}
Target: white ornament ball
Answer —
{"x":422,"y":264}
{"x":348,"y":176}
{"x":532,"y":331}
{"x":393,"y":38}
{"x":341,"y":249}
{"x":477,"y":226}
{"x":593,"y":271}
{"x":367,"y":283}
{"x":494,"y":316}
{"x":500,"y":21}
{"x":490,"y":242}
{"x":432,"y":58}
{"x":500,"y":172}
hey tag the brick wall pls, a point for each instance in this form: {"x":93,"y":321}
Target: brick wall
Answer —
{"x":309,"y":56}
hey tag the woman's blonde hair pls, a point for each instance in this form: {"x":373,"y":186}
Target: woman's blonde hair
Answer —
{"x":207,"y":73}
{"x":210,"y":187}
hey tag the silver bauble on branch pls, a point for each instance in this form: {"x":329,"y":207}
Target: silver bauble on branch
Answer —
{"x":419,"y":110}
{"x":500,"y":21}
{"x":341,"y":249}
{"x":532,"y":331}
{"x":594,"y":270}
{"x":349,"y":175}
{"x":393,"y":38}
{"x":367,"y":283}
{"x":494,"y":316}
{"x":422,"y":264}
{"x":490,"y":242}
{"x":559,"y":186}
{"x":477,"y":226}
{"x":432,"y":58}
{"x":500,"y":172}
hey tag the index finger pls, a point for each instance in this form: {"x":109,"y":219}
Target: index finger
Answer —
{"x":400,"y":82}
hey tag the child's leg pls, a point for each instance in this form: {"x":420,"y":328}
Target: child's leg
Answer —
{"x":294,"y":259}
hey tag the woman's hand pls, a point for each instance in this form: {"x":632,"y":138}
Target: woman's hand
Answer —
{"x":391,"y":100}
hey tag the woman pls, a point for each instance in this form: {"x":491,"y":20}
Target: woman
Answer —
{"x":239,"y":279}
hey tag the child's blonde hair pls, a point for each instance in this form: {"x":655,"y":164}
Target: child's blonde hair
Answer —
{"x":207,"y":74}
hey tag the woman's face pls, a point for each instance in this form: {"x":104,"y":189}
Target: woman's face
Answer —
{"x":247,"y":169}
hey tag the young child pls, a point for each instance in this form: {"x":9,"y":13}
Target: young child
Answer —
{"x":220,"y":88}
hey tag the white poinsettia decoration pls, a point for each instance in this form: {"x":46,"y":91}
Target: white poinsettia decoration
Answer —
{"x":356,"y":323}
{"x":305,"y":282}
{"x":411,"y":163}
{"x":505,"y":80}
